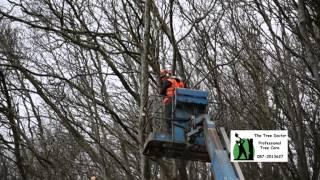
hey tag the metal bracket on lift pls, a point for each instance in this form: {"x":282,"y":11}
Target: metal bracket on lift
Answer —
{"x":217,"y":148}
{"x":196,"y":128}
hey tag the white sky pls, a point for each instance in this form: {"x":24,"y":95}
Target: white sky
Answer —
{"x":4,"y":3}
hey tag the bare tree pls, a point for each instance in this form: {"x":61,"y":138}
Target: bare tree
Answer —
{"x":75,"y":74}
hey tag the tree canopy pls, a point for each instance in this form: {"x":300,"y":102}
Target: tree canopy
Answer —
{"x":76,"y":77}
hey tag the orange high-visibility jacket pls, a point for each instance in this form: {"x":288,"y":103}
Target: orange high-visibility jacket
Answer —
{"x":171,"y":90}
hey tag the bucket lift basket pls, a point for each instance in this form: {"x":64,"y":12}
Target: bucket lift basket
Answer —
{"x":182,"y":141}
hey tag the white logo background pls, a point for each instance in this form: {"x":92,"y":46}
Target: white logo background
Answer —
{"x":269,"y":145}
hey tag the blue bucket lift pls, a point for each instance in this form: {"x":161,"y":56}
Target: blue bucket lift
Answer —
{"x":193,"y":136}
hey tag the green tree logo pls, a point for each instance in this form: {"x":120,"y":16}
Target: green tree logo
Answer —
{"x":243,"y":149}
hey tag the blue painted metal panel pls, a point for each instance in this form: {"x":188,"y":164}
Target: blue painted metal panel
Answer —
{"x":191,"y":96}
{"x":189,"y":99}
{"x":191,"y":92}
{"x":178,"y":134}
{"x":162,"y":137}
{"x":181,"y":114}
{"x":199,"y":140}
{"x":162,"y":145}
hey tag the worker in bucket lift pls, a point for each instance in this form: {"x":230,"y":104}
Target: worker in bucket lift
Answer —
{"x":169,"y":84}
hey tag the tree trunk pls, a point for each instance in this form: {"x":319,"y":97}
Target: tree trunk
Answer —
{"x":10,"y":113}
{"x":144,"y":84}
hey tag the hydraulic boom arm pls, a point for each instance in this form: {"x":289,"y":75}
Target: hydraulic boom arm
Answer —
{"x":220,"y":162}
